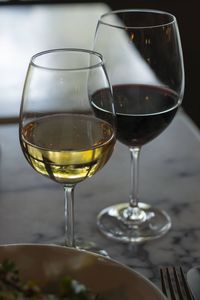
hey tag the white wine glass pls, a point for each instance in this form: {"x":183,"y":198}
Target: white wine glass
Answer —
{"x":144,"y":61}
{"x":60,"y":135}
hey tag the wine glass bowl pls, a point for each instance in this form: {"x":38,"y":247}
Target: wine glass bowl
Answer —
{"x":60,"y":135}
{"x":144,"y":61}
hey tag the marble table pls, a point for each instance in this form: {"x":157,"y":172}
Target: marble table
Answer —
{"x":32,"y":207}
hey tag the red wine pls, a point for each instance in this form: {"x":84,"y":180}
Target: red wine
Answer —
{"x":142,"y":111}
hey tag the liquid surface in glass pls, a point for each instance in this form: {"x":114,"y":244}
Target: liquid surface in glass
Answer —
{"x":67,"y":147}
{"x":142,"y":111}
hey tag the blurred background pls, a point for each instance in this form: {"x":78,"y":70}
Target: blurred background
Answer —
{"x":187,"y":15}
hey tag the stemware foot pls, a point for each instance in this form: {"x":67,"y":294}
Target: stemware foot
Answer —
{"x":82,"y":245}
{"x":114,"y":225}
{"x":91,"y":247}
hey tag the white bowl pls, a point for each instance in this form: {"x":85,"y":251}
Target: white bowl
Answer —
{"x":47,"y":264}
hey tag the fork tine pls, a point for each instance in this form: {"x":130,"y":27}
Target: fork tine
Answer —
{"x":170,"y":283}
{"x":174,"y":284}
{"x":187,"y":290}
{"x":163,"y":282}
{"x":177,"y":281}
{"x":166,"y":283}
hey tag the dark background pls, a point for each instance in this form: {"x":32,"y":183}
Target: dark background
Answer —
{"x":187,"y":14}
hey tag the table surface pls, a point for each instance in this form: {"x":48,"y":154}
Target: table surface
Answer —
{"x":32,"y":207}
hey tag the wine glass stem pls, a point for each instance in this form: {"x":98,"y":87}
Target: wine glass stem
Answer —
{"x":69,"y":216}
{"x":135,"y":153}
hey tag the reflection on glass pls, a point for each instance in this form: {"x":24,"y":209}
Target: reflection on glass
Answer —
{"x":143,"y":57}
{"x":60,"y":135}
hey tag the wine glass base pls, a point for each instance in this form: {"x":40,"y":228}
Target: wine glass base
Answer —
{"x":113,"y":225}
{"x":91,"y":247}
{"x":82,"y":245}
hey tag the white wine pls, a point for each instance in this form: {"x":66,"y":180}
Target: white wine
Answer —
{"x":67,"y":147}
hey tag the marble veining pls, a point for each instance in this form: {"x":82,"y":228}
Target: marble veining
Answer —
{"x":31,"y":206}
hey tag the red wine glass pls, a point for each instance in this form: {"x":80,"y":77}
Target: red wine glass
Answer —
{"x":143,"y":57}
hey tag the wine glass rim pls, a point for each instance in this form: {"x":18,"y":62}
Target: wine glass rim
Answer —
{"x":137,"y":10}
{"x":49,"y":51}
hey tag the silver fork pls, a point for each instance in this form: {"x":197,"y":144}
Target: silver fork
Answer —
{"x":174,"y":284}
